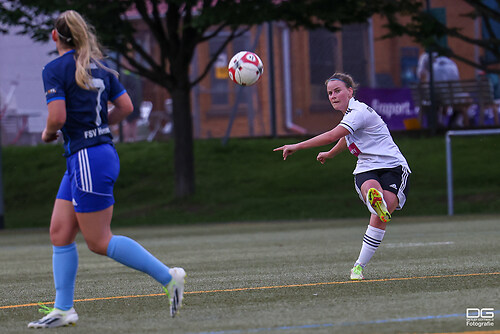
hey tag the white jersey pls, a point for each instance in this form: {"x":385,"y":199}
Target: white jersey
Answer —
{"x":369,"y":139}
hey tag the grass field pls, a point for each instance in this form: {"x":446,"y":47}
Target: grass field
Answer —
{"x":246,"y":181}
{"x":276,"y":277}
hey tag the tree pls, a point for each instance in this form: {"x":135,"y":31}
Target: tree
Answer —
{"x":178,"y":27}
{"x":427,"y":30}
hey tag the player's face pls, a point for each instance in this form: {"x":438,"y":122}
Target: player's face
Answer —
{"x":339,"y":95}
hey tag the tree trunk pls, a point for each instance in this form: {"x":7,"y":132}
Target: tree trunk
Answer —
{"x":183,"y":143}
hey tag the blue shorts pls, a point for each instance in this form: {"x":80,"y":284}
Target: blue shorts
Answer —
{"x":90,"y":177}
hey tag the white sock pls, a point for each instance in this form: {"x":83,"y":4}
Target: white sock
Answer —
{"x":371,"y":240}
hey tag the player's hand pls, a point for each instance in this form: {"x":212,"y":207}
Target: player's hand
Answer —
{"x":48,"y":137}
{"x":287,"y":150}
{"x":322,"y":156}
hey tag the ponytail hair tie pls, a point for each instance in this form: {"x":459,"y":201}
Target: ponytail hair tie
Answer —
{"x":64,"y":38}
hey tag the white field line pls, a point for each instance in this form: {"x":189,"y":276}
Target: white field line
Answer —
{"x":417,"y":244}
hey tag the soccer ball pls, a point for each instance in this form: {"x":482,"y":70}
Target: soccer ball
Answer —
{"x":245,"y":68}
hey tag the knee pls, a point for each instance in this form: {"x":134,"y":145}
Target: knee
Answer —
{"x":391,"y":200}
{"x":370,"y":184}
{"x":55,"y":235}
{"x":61,"y":235}
{"x":98,"y":246}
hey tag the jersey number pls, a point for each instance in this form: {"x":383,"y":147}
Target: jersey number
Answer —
{"x":99,"y":84}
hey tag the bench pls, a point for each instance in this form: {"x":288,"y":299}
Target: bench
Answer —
{"x":459,"y":95}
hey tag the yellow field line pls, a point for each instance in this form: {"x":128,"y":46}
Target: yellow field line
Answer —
{"x":473,"y":332}
{"x":265,"y":287}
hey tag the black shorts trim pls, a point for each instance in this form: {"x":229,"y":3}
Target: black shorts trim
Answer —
{"x":395,"y":180}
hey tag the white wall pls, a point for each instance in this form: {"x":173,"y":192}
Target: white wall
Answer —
{"x":22,"y":60}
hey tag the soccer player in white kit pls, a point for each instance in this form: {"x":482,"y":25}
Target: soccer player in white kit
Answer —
{"x":381,"y":174}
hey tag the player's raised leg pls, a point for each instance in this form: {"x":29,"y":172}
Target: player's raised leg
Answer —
{"x":376,"y":229}
{"x":376,"y":201}
{"x":95,"y":227}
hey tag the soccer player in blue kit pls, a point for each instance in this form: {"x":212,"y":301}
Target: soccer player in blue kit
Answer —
{"x":78,"y":86}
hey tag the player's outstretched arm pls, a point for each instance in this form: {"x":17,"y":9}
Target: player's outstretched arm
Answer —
{"x":287,"y":150}
{"x":339,"y":147}
{"x":320,"y":140}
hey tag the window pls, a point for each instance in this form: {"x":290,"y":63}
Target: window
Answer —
{"x":322,"y":63}
{"x":490,"y":36}
{"x":218,"y":86}
{"x":355,"y":52}
{"x":409,"y":63}
{"x":222,"y":91}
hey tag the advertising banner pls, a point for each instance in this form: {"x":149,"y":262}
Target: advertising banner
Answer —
{"x":395,"y":105}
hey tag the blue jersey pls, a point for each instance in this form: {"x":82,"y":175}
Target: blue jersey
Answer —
{"x":86,"y":110}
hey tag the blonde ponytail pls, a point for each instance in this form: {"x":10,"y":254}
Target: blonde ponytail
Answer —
{"x":75,"y":32}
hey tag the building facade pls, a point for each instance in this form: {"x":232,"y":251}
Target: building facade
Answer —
{"x":301,"y":62}
{"x":296,"y":64}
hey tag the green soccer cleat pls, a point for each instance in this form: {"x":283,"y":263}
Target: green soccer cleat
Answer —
{"x":54,"y":318}
{"x":357,"y":273}
{"x":378,"y":204}
{"x":175,"y":289}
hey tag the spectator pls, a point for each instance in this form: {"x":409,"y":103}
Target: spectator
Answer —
{"x":443,"y":69}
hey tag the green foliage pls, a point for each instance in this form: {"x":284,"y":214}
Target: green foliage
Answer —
{"x":427,"y":30}
{"x":246,"y":181}
{"x":177,"y":28}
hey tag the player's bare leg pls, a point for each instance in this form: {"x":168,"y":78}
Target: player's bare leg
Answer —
{"x":376,"y":229}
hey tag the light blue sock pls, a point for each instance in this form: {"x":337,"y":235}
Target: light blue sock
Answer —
{"x":130,"y":253}
{"x":64,"y":267}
